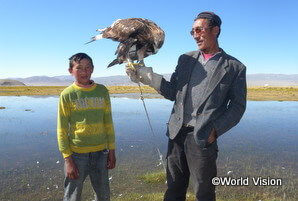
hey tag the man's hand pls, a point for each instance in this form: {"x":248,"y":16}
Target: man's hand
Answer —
{"x":145,"y":75}
{"x":140,"y":74}
{"x":212,"y":136}
{"x":111,"y":159}
{"x":71,"y":168}
{"x":132,"y":74}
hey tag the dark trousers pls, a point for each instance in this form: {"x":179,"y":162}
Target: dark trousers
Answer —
{"x":186,"y":159}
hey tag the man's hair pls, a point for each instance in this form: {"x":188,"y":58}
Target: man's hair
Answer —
{"x":212,"y":19}
{"x":77,"y":58}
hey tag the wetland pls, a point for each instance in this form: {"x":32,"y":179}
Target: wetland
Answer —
{"x":263,"y":144}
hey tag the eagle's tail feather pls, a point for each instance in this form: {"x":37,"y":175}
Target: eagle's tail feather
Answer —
{"x":114,"y":62}
{"x":101,"y":29}
{"x":97,"y":37}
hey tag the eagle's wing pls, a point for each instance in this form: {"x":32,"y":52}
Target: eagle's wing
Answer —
{"x":123,"y":29}
{"x":129,"y":32}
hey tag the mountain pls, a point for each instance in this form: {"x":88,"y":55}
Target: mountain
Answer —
{"x":46,"y":81}
{"x":272,"y":80}
{"x":10,"y":82}
{"x":65,"y":80}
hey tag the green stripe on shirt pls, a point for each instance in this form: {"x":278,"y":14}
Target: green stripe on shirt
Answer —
{"x":84,"y":120}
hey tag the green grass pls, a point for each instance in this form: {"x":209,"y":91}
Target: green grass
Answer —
{"x":253,"y":93}
{"x":147,"y":197}
{"x":231,"y":193}
{"x":56,"y":90}
{"x":273,"y":93}
{"x":127,"y":185}
{"x":154,"y":178}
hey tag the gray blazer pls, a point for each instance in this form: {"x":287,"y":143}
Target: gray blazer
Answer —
{"x":222,"y":104}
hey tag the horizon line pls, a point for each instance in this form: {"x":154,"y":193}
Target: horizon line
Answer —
{"x":126,"y":75}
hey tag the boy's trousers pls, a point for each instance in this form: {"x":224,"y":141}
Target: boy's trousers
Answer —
{"x":93,"y":164}
{"x":186,"y":159}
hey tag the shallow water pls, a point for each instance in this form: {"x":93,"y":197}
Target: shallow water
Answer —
{"x":264,"y":142}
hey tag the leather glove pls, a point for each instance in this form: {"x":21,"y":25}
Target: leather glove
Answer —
{"x":132,"y":74}
{"x":145,"y":75}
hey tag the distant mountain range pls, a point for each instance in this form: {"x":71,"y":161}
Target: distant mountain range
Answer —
{"x":272,"y":80}
{"x":252,"y":80}
{"x":9,"y":82}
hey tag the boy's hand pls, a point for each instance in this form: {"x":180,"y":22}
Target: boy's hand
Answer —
{"x":71,"y":168}
{"x":111,"y":159}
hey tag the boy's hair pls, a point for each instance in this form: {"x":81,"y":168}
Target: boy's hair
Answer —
{"x":77,"y":58}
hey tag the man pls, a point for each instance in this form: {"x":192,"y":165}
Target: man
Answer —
{"x":209,"y":90}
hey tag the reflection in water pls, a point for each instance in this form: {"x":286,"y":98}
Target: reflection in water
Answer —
{"x":265,"y":141}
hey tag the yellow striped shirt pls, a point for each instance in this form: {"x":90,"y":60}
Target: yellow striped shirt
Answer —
{"x":84,"y":120}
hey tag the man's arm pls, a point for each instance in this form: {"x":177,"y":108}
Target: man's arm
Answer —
{"x":168,"y":89}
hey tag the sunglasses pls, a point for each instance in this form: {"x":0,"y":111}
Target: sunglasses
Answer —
{"x":198,"y":30}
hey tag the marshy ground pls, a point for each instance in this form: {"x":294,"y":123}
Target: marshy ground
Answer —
{"x":264,"y":144}
{"x":253,"y":93}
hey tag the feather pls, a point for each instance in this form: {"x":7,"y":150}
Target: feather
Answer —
{"x":137,"y":37}
{"x":97,"y":37}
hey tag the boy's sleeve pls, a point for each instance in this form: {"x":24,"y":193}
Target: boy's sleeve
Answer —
{"x":108,"y":122}
{"x":63,"y":127}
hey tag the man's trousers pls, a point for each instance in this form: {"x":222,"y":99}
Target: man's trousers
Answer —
{"x":185,"y":159}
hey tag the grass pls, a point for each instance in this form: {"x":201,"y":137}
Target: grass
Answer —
{"x":131,"y":182}
{"x":228,"y":193}
{"x":56,"y":90}
{"x":155,"y":177}
{"x":273,"y":93}
{"x":30,"y":90}
{"x":147,"y":197}
{"x":43,"y":187}
{"x":254,"y":93}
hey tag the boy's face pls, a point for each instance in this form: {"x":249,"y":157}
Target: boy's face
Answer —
{"x":82,"y":71}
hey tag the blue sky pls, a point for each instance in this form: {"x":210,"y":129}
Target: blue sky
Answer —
{"x":38,"y":36}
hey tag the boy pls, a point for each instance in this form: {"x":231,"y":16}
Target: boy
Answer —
{"x":85,"y":132}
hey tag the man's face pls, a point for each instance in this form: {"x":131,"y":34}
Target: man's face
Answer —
{"x":82,"y":71}
{"x":204,"y":35}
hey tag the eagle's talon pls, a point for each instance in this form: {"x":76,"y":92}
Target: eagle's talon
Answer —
{"x":133,"y":66}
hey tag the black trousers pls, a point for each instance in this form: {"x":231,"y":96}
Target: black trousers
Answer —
{"x":186,"y":159}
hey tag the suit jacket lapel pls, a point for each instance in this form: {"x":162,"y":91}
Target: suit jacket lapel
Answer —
{"x":216,"y":77}
{"x":190,"y":64}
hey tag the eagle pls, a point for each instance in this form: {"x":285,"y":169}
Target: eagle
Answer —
{"x":137,"y":37}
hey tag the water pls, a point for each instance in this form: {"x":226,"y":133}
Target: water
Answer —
{"x":264,"y":142}
{"x":28,"y":125}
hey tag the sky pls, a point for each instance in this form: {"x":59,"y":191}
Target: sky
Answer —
{"x":37,"y":36}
